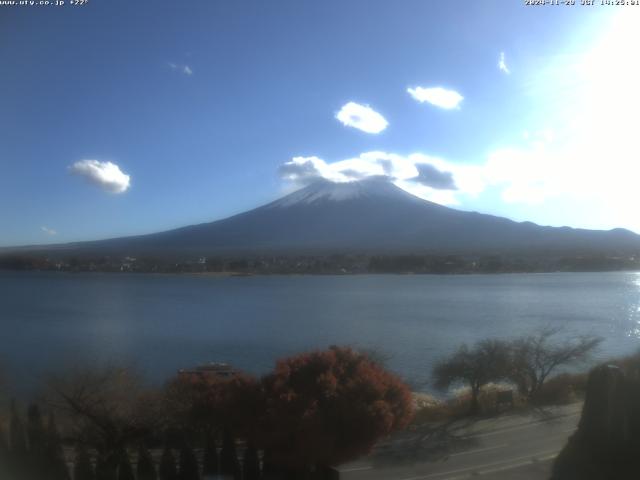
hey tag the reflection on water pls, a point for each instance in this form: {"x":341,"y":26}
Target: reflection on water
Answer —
{"x":164,"y":322}
{"x":634,"y":309}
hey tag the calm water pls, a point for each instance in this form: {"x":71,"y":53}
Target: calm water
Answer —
{"x":49,"y":321}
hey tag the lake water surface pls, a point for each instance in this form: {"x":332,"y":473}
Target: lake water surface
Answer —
{"x":49,"y":321}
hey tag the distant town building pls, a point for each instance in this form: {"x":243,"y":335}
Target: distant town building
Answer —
{"x":209,"y":371}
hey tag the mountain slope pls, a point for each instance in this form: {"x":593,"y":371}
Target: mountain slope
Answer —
{"x":370,"y":216}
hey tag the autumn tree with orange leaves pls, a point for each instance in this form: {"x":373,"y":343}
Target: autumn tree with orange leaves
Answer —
{"x":207,"y":405}
{"x":327,"y":407}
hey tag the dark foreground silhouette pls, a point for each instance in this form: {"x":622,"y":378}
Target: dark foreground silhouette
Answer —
{"x":606,"y":445}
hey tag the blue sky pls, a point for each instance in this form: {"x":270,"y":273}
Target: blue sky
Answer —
{"x":121,"y":117}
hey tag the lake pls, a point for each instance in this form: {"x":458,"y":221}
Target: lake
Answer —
{"x":51,"y":321}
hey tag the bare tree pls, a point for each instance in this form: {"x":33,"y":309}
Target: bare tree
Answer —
{"x":536,"y":356}
{"x":108,"y":408}
{"x":487,"y":361}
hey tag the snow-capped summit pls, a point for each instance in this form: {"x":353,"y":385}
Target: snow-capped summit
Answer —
{"x":324,"y":190}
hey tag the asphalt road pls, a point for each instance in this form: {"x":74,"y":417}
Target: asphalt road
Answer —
{"x":514,"y":447}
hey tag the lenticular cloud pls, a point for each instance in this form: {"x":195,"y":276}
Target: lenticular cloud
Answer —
{"x":106,"y":175}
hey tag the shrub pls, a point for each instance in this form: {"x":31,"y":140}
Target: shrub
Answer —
{"x":328,"y":407}
{"x":561,"y":389}
{"x":429,"y":409}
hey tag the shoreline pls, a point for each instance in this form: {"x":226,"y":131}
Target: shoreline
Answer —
{"x":317,"y":274}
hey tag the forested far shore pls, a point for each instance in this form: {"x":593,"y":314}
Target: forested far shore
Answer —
{"x":325,"y":264}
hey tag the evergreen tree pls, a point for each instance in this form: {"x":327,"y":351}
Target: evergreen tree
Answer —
{"x":269,"y":469}
{"x":36,"y":432}
{"x":4,"y":454}
{"x":188,"y":464}
{"x":106,"y":467}
{"x":18,"y":461}
{"x":56,"y":464}
{"x":210,"y":461}
{"x":229,"y":464}
{"x":168,"y":470}
{"x":82,"y":469}
{"x":251,"y":464}
{"x":146,"y":470}
{"x":37,"y":436}
{"x":125,"y":471}
{"x":17,"y":438}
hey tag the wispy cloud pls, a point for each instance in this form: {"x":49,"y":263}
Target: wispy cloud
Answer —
{"x":502,"y":64}
{"x":361,"y":117}
{"x":438,"y":96}
{"x":49,"y":231}
{"x":186,"y":69}
{"x":106,"y":175}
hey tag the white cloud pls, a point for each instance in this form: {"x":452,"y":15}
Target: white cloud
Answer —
{"x":438,"y":96}
{"x":186,"y":69}
{"x":425,"y":176}
{"x":106,"y":175}
{"x":49,"y":231}
{"x":361,"y":117}
{"x":573,"y":160}
{"x":502,"y":64}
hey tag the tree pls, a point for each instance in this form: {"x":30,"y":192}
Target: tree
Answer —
{"x":107,"y":467}
{"x":145,"y":468}
{"x":36,"y":432}
{"x":125,"y":471}
{"x":17,"y":437}
{"x":251,"y":463}
{"x":37,"y":437}
{"x":109,"y":408}
{"x":55,"y":462}
{"x":167,"y":469}
{"x":328,"y":407}
{"x":536,"y":356}
{"x":18,"y":454}
{"x":4,"y":454}
{"x":210,"y":460}
{"x":205,"y":405}
{"x":487,"y":361}
{"x":82,"y":468}
{"x":229,"y":464}
{"x":188,"y":464}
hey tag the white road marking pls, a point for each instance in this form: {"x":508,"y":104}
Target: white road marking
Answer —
{"x":478,"y":450}
{"x":517,"y":465}
{"x":355,"y":469}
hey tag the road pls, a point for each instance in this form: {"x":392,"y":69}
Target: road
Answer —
{"x":514,"y":447}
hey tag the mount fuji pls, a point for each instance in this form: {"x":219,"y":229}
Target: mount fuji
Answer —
{"x":369,"y":216}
